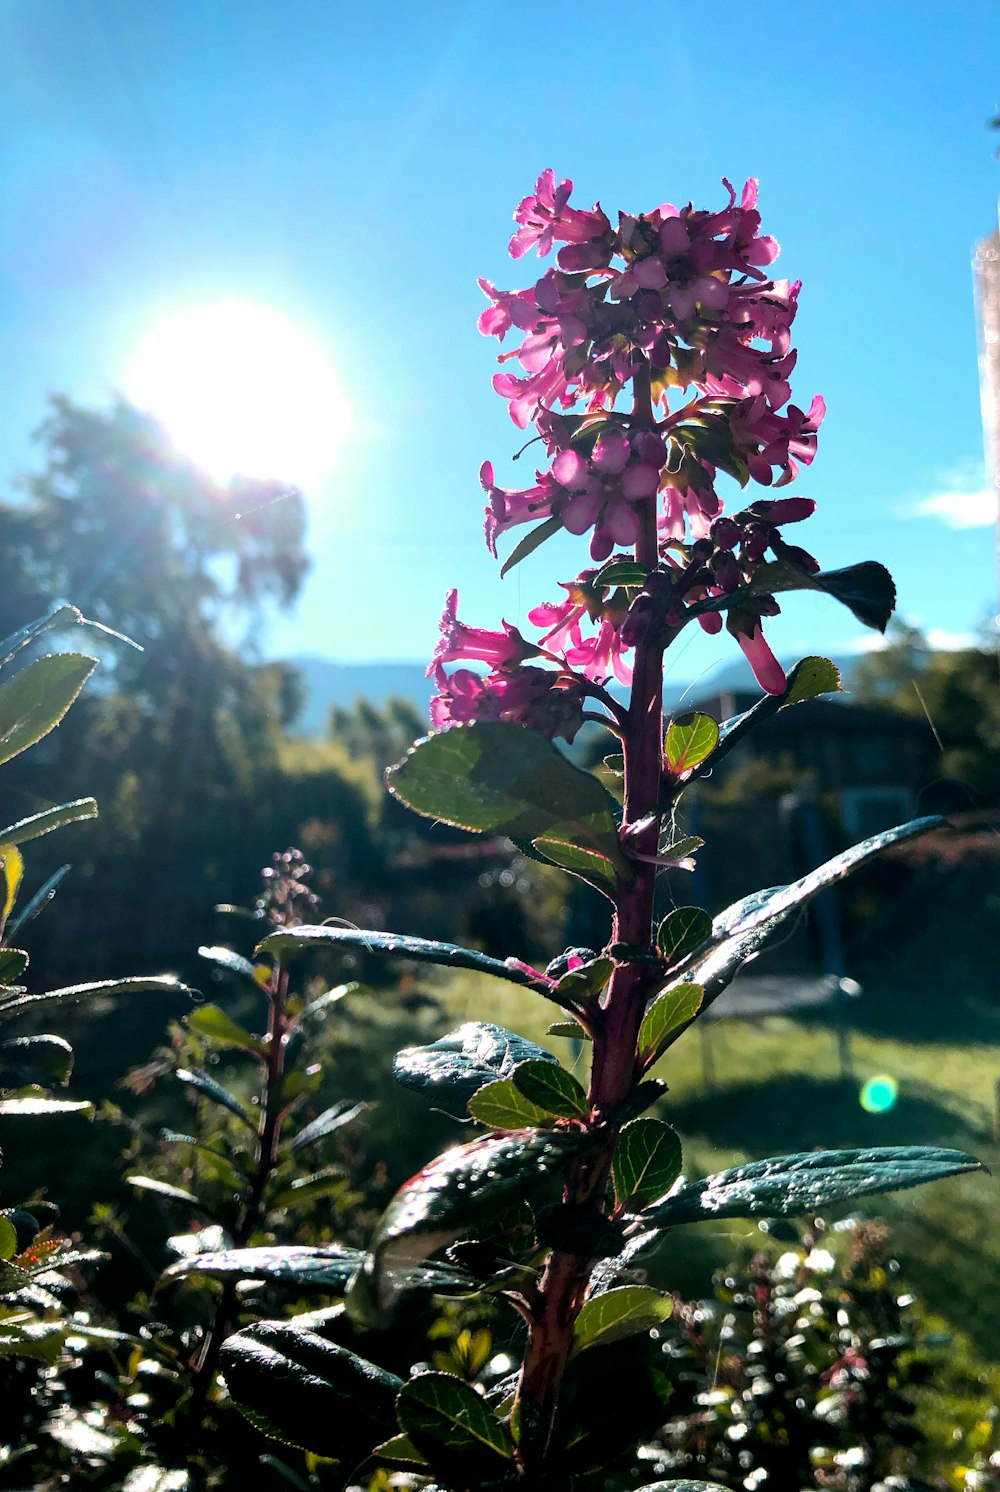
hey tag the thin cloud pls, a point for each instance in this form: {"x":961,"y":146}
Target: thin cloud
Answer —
{"x":962,"y":508}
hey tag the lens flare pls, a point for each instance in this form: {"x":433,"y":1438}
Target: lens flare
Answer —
{"x":879,"y":1094}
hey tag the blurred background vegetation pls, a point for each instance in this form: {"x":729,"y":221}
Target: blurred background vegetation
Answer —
{"x":190,"y":749}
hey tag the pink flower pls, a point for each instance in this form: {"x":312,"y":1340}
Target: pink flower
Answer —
{"x":767,"y":670}
{"x":545,"y":216}
{"x":533,"y":697}
{"x":501,"y":650}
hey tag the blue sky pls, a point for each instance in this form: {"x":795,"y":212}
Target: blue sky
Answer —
{"x":355,"y":168}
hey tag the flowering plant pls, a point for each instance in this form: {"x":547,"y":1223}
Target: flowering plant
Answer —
{"x":654,"y":361}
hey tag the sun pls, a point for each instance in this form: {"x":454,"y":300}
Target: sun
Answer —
{"x":242,"y":392}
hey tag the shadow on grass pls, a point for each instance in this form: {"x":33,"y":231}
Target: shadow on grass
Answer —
{"x":796,"y":1112}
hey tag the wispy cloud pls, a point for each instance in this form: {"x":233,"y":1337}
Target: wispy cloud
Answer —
{"x":965,"y":501}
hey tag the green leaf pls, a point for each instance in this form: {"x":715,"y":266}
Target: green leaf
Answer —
{"x":37,"y":698}
{"x":647,"y":1162}
{"x":684,"y":1486}
{"x":13,"y":963}
{"x":60,"y":616}
{"x":579,"y":986}
{"x":35,"y":1059}
{"x":12,"y":869}
{"x":296,"y":1265}
{"x":571,"y":1029}
{"x":811,"y":677}
{"x":594,"y":868}
{"x":38,"y":824}
{"x":35,"y":903}
{"x":216,"y":1026}
{"x":326,"y":1182}
{"x":235,"y":963}
{"x":681,"y":932}
{"x":28,"y":1107}
{"x":796,"y":1185}
{"x":497,"y":777}
{"x":619,"y":1313}
{"x":335,"y":1117}
{"x":26,"y":1336}
{"x":552,"y":1088}
{"x":399,"y":1453}
{"x":398,"y":945}
{"x":747,"y":927}
{"x":452,"y":1425}
{"x":301,"y":1389}
{"x":318,"y":1007}
{"x":162,"y":984}
{"x":501,"y":1105}
{"x":456,"y":1191}
{"x":209,"y":1088}
{"x":164,"y":1189}
{"x":867,"y":589}
{"x":530,"y":543}
{"x":668,"y":1014}
{"x":622,"y":572}
{"x":689,"y":740}
{"x":8,"y":1238}
{"x":449,"y":1071}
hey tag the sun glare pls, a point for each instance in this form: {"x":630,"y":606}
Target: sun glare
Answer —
{"x":242,"y":392}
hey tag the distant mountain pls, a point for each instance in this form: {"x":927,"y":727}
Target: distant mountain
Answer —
{"x":328,"y":683}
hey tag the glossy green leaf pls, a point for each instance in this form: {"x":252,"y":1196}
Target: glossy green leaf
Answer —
{"x":60,"y":616}
{"x":285,"y":1264}
{"x":551,"y":1088}
{"x":202,"y":1083}
{"x":326,"y":1182}
{"x":689,"y":740}
{"x":456,"y":1191}
{"x":449,"y":1071}
{"x":681,"y":932}
{"x":646,"y":1164}
{"x":104,"y":989}
{"x":38,"y":824}
{"x":35,"y":700}
{"x":684,"y":1486}
{"x":497,"y":777}
{"x":211,"y":1022}
{"x":669,"y":1013}
{"x":796,"y":1185}
{"x":13,"y":963}
{"x":28,"y":1107}
{"x":41,"y":897}
{"x":35,"y":1059}
{"x":301,"y":1389}
{"x":26,"y":1336}
{"x":747,"y":927}
{"x":619,"y":1313}
{"x":452,"y":1425}
{"x":344,"y":1111}
{"x":397,"y":945}
{"x":622,"y":572}
{"x":530,"y":543}
{"x":866,"y":589}
{"x":501,"y":1105}
{"x":235,"y":963}
{"x":164,"y":1189}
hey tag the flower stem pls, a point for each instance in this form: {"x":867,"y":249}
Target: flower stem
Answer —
{"x":562,"y":1288}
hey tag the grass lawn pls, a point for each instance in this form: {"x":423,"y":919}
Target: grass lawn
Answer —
{"x":752,"y":1089}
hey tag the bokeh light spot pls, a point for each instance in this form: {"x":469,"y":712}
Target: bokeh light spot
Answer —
{"x":879,"y":1094}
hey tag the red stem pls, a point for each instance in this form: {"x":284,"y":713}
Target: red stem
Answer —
{"x":562,"y":1288}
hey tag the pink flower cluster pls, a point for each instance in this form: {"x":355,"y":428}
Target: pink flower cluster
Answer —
{"x":674,"y":305}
